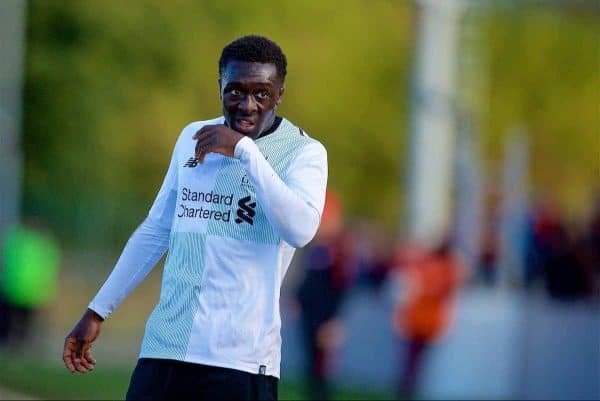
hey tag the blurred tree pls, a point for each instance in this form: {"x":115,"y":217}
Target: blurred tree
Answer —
{"x":108,"y":89}
{"x":544,"y":73}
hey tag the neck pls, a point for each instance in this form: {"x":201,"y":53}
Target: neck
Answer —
{"x":268,"y":127}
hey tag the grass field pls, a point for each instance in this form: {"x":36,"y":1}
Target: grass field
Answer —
{"x":52,"y":381}
{"x":37,"y":370}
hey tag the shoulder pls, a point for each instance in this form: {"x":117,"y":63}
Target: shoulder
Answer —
{"x":305,"y":151}
{"x":189,"y":130}
{"x":185,"y":140}
{"x":299,"y":138}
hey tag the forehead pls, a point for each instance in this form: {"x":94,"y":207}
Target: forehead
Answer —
{"x":249,"y":73}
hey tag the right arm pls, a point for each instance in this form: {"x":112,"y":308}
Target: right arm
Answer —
{"x":143,"y":250}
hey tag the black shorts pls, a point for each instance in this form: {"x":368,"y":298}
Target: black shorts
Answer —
{"x":165,"y":379}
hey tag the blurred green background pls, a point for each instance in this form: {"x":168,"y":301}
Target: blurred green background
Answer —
{"x":109,"y":85}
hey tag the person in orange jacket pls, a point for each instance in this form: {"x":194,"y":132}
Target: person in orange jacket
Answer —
{"x":423,"y":313}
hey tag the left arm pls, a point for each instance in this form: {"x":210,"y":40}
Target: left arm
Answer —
{"x":292,"y":207}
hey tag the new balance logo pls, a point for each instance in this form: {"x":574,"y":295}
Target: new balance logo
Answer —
{"x":192,"y":162}
{"x":245,"y":211}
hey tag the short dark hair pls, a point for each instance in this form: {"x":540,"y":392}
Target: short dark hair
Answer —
{"x":254,"y":48}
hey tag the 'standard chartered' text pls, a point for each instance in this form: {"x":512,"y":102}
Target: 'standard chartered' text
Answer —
{"x":186,"y":210}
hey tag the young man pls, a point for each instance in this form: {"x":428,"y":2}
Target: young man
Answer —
{"x":241,"y":193}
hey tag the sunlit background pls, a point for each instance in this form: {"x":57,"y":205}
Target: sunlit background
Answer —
{"x":477,"y":121}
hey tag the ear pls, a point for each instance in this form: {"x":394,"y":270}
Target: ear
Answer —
{"x":280,"y":97}
{"x":220,"y":89}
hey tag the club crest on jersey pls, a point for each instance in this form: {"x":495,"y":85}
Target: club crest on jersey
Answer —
{"x":246,"y":184}
{"x":246,"y":212}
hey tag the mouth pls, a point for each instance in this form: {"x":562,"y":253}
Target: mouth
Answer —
{"x":245,"y":125}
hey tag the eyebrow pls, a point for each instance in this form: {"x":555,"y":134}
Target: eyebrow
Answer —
{"x":241,"y":83}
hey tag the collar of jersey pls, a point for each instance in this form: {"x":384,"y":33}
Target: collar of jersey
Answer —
{"x":273,"y":128}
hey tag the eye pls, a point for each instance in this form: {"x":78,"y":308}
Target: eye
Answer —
{"x":235,"y":92}
{"x":262,"y":95}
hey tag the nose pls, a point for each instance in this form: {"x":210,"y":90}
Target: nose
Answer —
{"x":247,"y":104}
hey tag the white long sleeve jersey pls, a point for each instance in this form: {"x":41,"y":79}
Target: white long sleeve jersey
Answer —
{"x":231,"y":225}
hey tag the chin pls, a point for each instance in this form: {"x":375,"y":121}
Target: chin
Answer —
{"x":251,"y":133}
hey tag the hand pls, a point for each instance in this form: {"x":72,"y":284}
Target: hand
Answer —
{"x":77,"y":354}
{"x":216,"y":138}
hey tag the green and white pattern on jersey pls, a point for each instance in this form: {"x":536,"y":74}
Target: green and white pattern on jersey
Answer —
{"x":280,"y":148}
{"x":170,"y":324}
{"x":229,"y":180}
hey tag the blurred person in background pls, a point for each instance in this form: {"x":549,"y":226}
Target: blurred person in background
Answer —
{"x":545,"y":229}
{"x":593,"y":243}
{"x":488,"y":253}
{"x":375,"y":250}
{"x":330,"y":262}
{"x":488,"y":258}
{"x":582,"y":265}
{"x":28,"y":280}
{"x":241,"y":193}
{"x":557,"y":254}
{"x":429,"y":280}
{"x":585,"y":253}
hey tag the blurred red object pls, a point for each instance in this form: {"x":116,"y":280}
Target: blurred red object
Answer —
{"x":431,"y":280}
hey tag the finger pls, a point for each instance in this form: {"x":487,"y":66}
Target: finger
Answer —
{"x":206,"y":140}
{"x":67,"y":354}
{"x":198,"y":151}
{"x":79,"y":365}
{"x":203,"y":131}
{"x":89,"y":357}
{"x":202,"y":150}
{"x":78,"y":356}
{"x":87,"y":364}
{"x":201,"y":157}
{"x":203,"y":147}
{"x":198,"y":148}
{"x":84,"y":359}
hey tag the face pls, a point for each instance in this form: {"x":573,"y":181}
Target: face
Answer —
{"x":250,"y":93}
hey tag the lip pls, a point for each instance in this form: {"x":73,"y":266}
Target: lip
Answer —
{"x":244,"y":124}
